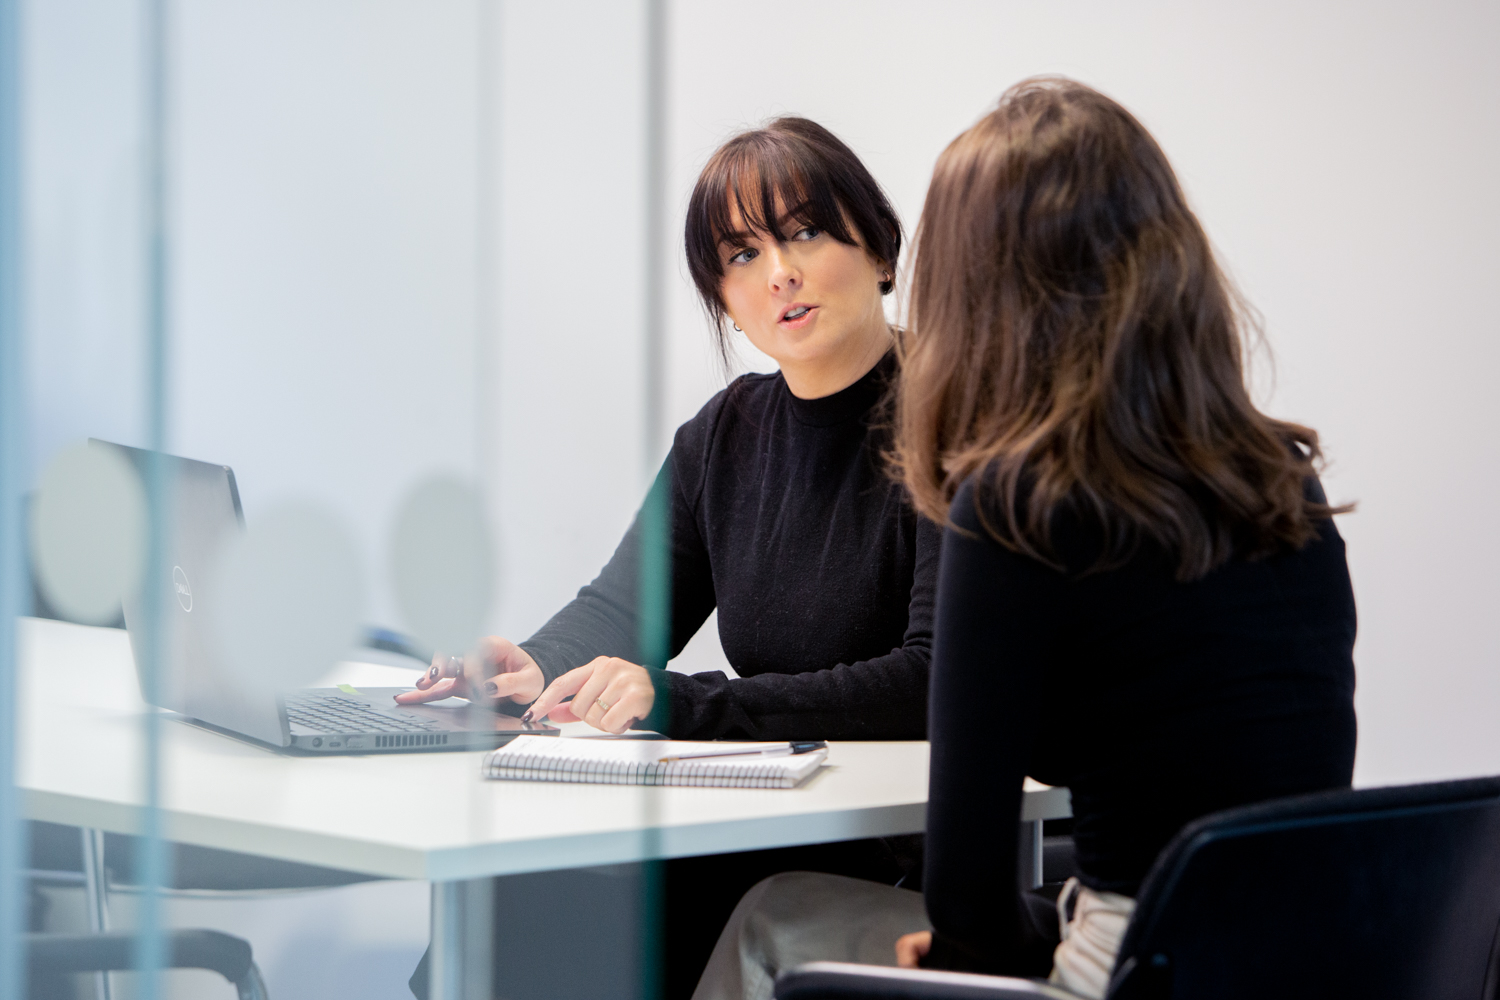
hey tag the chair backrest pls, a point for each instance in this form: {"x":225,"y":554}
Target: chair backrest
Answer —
{"x":1377,"y":893}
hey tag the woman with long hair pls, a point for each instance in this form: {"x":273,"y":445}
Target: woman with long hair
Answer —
{"x":781,"y":518}
{"x":1142,"y":593}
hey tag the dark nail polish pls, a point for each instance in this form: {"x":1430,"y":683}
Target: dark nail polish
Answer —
{"x":526,"y":719}
{"x":432,"y":674}
{"x":491,"y":688}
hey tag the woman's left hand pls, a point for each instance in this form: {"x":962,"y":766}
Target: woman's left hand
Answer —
{"x":613,"y":694}
{"x":912,"y":948}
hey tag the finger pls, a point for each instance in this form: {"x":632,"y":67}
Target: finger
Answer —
{"x":501,"y":669}
{"x":445,"y":688}
{"x":563,"y":713}
{"x":515,"y":686}
{"x":566,"y":685}
{"x":442,"y":666}
{"x":434,"y":673}
{"x":477,"y":669}
{"x":911,"y":947}
{"x":589,"y":703}
{"x":622,"y":716}
{"x":503,"y":654}
{"x":628,"y":705}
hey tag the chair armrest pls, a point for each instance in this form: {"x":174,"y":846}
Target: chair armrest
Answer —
{"x":847,"y":981}
{"x":194,"y":949}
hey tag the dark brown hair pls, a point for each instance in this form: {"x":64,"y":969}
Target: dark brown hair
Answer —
{"x":1074,"y":345}
{"x":819,"y":182}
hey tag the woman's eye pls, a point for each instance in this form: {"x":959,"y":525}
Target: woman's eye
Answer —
{"x":743,"y":256}
{"x":808,"y":233}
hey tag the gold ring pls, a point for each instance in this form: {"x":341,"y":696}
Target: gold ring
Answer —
{"x":601,"y":703}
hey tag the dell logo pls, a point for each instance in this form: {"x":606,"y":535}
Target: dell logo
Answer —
{"x":184,"y":591}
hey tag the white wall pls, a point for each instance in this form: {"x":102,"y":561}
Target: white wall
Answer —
{"x":567,"y":371}
{"x":82,"y":184}
{"x":1342,"y":157}
{"x":324,"y":173}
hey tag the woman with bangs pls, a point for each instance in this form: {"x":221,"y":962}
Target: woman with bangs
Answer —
{"x":782,"y":518}
{"x":1142,"y":593}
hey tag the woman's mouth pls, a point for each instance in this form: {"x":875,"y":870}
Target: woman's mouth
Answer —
{"x":796,"y":315}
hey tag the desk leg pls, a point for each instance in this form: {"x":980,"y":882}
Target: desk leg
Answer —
{"x":96,"y":897}
{"x":1038,"y":856}
{"x":463,"y":916}
{"x":1029,"y":859}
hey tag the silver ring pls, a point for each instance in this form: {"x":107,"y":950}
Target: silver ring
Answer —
{"x":601,"y":704}
{"x":454,"y":667}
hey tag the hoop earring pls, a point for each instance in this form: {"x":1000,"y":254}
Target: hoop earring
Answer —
{"x":736,"y":326}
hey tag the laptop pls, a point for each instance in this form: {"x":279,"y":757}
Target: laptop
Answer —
{"x":195,"y":682}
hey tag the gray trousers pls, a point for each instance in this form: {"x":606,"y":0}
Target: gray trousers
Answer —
{"x":799,"y":917}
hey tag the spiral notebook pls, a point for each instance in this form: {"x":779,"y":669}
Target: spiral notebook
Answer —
{"x":651,"y":762}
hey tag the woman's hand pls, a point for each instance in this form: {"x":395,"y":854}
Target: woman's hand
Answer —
{"x":500,"y":669}
{"x":613,"y":694}
{"x":912,"y":948}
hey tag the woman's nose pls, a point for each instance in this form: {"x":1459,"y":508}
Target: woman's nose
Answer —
{"x":784,"y":273}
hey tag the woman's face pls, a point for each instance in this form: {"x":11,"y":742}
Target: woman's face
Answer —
{"x":808,"y":302}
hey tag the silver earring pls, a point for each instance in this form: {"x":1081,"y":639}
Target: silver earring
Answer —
{"x":736,"y":326}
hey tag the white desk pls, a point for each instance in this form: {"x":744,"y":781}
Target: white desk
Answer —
{"x":409,"y":816}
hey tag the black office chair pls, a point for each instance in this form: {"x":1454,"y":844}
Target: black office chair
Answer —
{"x":51,"y":955}
{"x":1378,"y":893}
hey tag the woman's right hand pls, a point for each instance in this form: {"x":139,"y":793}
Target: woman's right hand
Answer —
{"x":912,"y":948}
{"x":498,"y":669}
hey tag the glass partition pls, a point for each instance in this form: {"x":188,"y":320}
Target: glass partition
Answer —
{"x":314,"y":377}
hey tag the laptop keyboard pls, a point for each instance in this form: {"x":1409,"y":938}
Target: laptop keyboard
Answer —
{"x":333,"y":714}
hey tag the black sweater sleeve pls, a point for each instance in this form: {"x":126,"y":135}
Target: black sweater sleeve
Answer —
{"x":998,"y":613}
{"x":879,"y":698}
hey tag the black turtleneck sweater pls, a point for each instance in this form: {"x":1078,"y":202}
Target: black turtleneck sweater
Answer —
{"x":783,"y":518}
{"x":1155,"y":701}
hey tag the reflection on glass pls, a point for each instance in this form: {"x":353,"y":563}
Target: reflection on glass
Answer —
{"x":442,"y":563}
{"x":12,"y":970}
{"x":88,"y":528}
{"x":290,"y":597}
{"x":276,"y":606}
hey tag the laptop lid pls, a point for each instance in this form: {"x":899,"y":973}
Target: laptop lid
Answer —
{"x":203,"y":513}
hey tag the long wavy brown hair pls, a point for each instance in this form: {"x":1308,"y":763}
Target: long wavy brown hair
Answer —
{"x":1073,"y":344}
